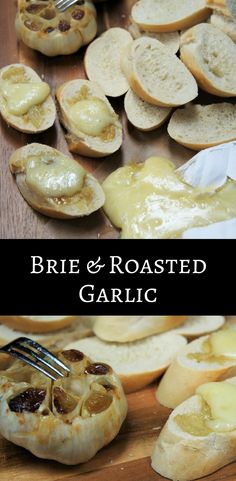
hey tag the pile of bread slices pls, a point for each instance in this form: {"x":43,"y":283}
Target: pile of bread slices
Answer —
{"x":140,"y":62}
{"x":196,"y":354}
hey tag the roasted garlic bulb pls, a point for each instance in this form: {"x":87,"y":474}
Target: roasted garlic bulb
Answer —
{"x":41,"y":26}
{"x":68,"y":420}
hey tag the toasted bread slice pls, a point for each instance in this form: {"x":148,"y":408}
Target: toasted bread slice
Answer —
{"x":188,"y":447}
{"x":201,"y":126}
{"x":142,"y":115}
{"x":211,"y":57}
{"x":137,"y":363}
{"x":195,"y":364}
{"x":93,"y":126}
{"x":25,"y":100}
{"x":156,"y":75}
{"x":225,"y":7}
{"x":168,"y":16}
{"x":55,"y":184}
{"x":170,"y":40}
{"x":41,"y":26}
{"x":196,"y":326}
{"x":226,"y":24}
{"x":102,"y":61}
{"x":132,"y":328}
{"x":37,"y":324}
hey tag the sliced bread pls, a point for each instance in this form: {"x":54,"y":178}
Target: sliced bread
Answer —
{"x":200,"y":126}
{"x":196,"y":326}
{"x":142,"y":115}
{"x":37,"y":324}
{"x":137,"y":363}
{"x":55,"y":184}
{"x":25,"y":100}
{"x":191,"y":445}
{"x":93,"y":126}
{"x":132,"y":328}
{"x":211,"y":57}
{"x":156,"y":75}
{"x":226,"y":7}
{"x":226,"y":24}
{"x":197,"y":363}
{"x":102,"y":61}
{"x":170,"y":40}
{"x":170,"y":15}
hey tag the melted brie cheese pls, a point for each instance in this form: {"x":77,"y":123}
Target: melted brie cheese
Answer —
{"x":54,"y":176}
{"x":151,"y":200}
{"x":223,"y":343}
{"x":91,"y":116}
{"x":21,"y":97}
{"x":221,"y":398}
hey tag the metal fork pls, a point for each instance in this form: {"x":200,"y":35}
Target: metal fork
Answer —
{"x":62,"y":5}
{"x":37,"y":356}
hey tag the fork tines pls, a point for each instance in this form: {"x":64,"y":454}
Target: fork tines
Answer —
{"x":62,"y":5}
{"x":37,"y":356}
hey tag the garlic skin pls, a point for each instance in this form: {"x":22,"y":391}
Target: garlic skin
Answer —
{"x":67,"y":420}
{"x":41,"y":26}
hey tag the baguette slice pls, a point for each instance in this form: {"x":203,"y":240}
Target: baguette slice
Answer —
{"x":39,"y":117}
{"x":102,"y":61}
{"x":170,"y":15}
{"x":211,"y":57}
{"x":37,"y":324}
{"x":132,"y":328}
{"x":170,"y":40}
{"x":201,"y":126}
{"x":200,"y":325}
{"x":156,"y":75}
{"x":143,"y":115}
{"x":226,"y":24}
{"x":181,"y":456}
{"x":138,"y":363}
{"x":45,"y":178}
{"x":82,"y":138}
{"x":188,"y":373}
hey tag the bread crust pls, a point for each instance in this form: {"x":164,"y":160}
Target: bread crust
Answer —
{"x":187,"y":375}
{"x":28,"y":324}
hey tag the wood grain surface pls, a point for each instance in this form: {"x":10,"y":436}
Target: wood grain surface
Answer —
{"x":127,"y":458}
{"x":18,"y":220}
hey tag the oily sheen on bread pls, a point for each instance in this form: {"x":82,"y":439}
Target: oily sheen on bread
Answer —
{"x":22,"y":103}
{"x":187,"y":448}
{"x":137,"y":363}
{"x":41,"y":26}
{"x":142,"y":115}
{"x":132,"y":328}
{"x":55,"y":184}
{"x":67,"y":420}
{"x":102,"y":61}
{"x":194,"y":365}
{"x":200,"y":126}
{"x":37,"y":324}
{"x":156,"y":75}
{"x":211,"y":57}
{"x":93,"y":126}
{"x":168,"y":16}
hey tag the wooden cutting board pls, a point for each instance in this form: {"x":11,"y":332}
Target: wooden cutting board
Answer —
{"x":18,"y":220}
{"x":127,"y":458}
